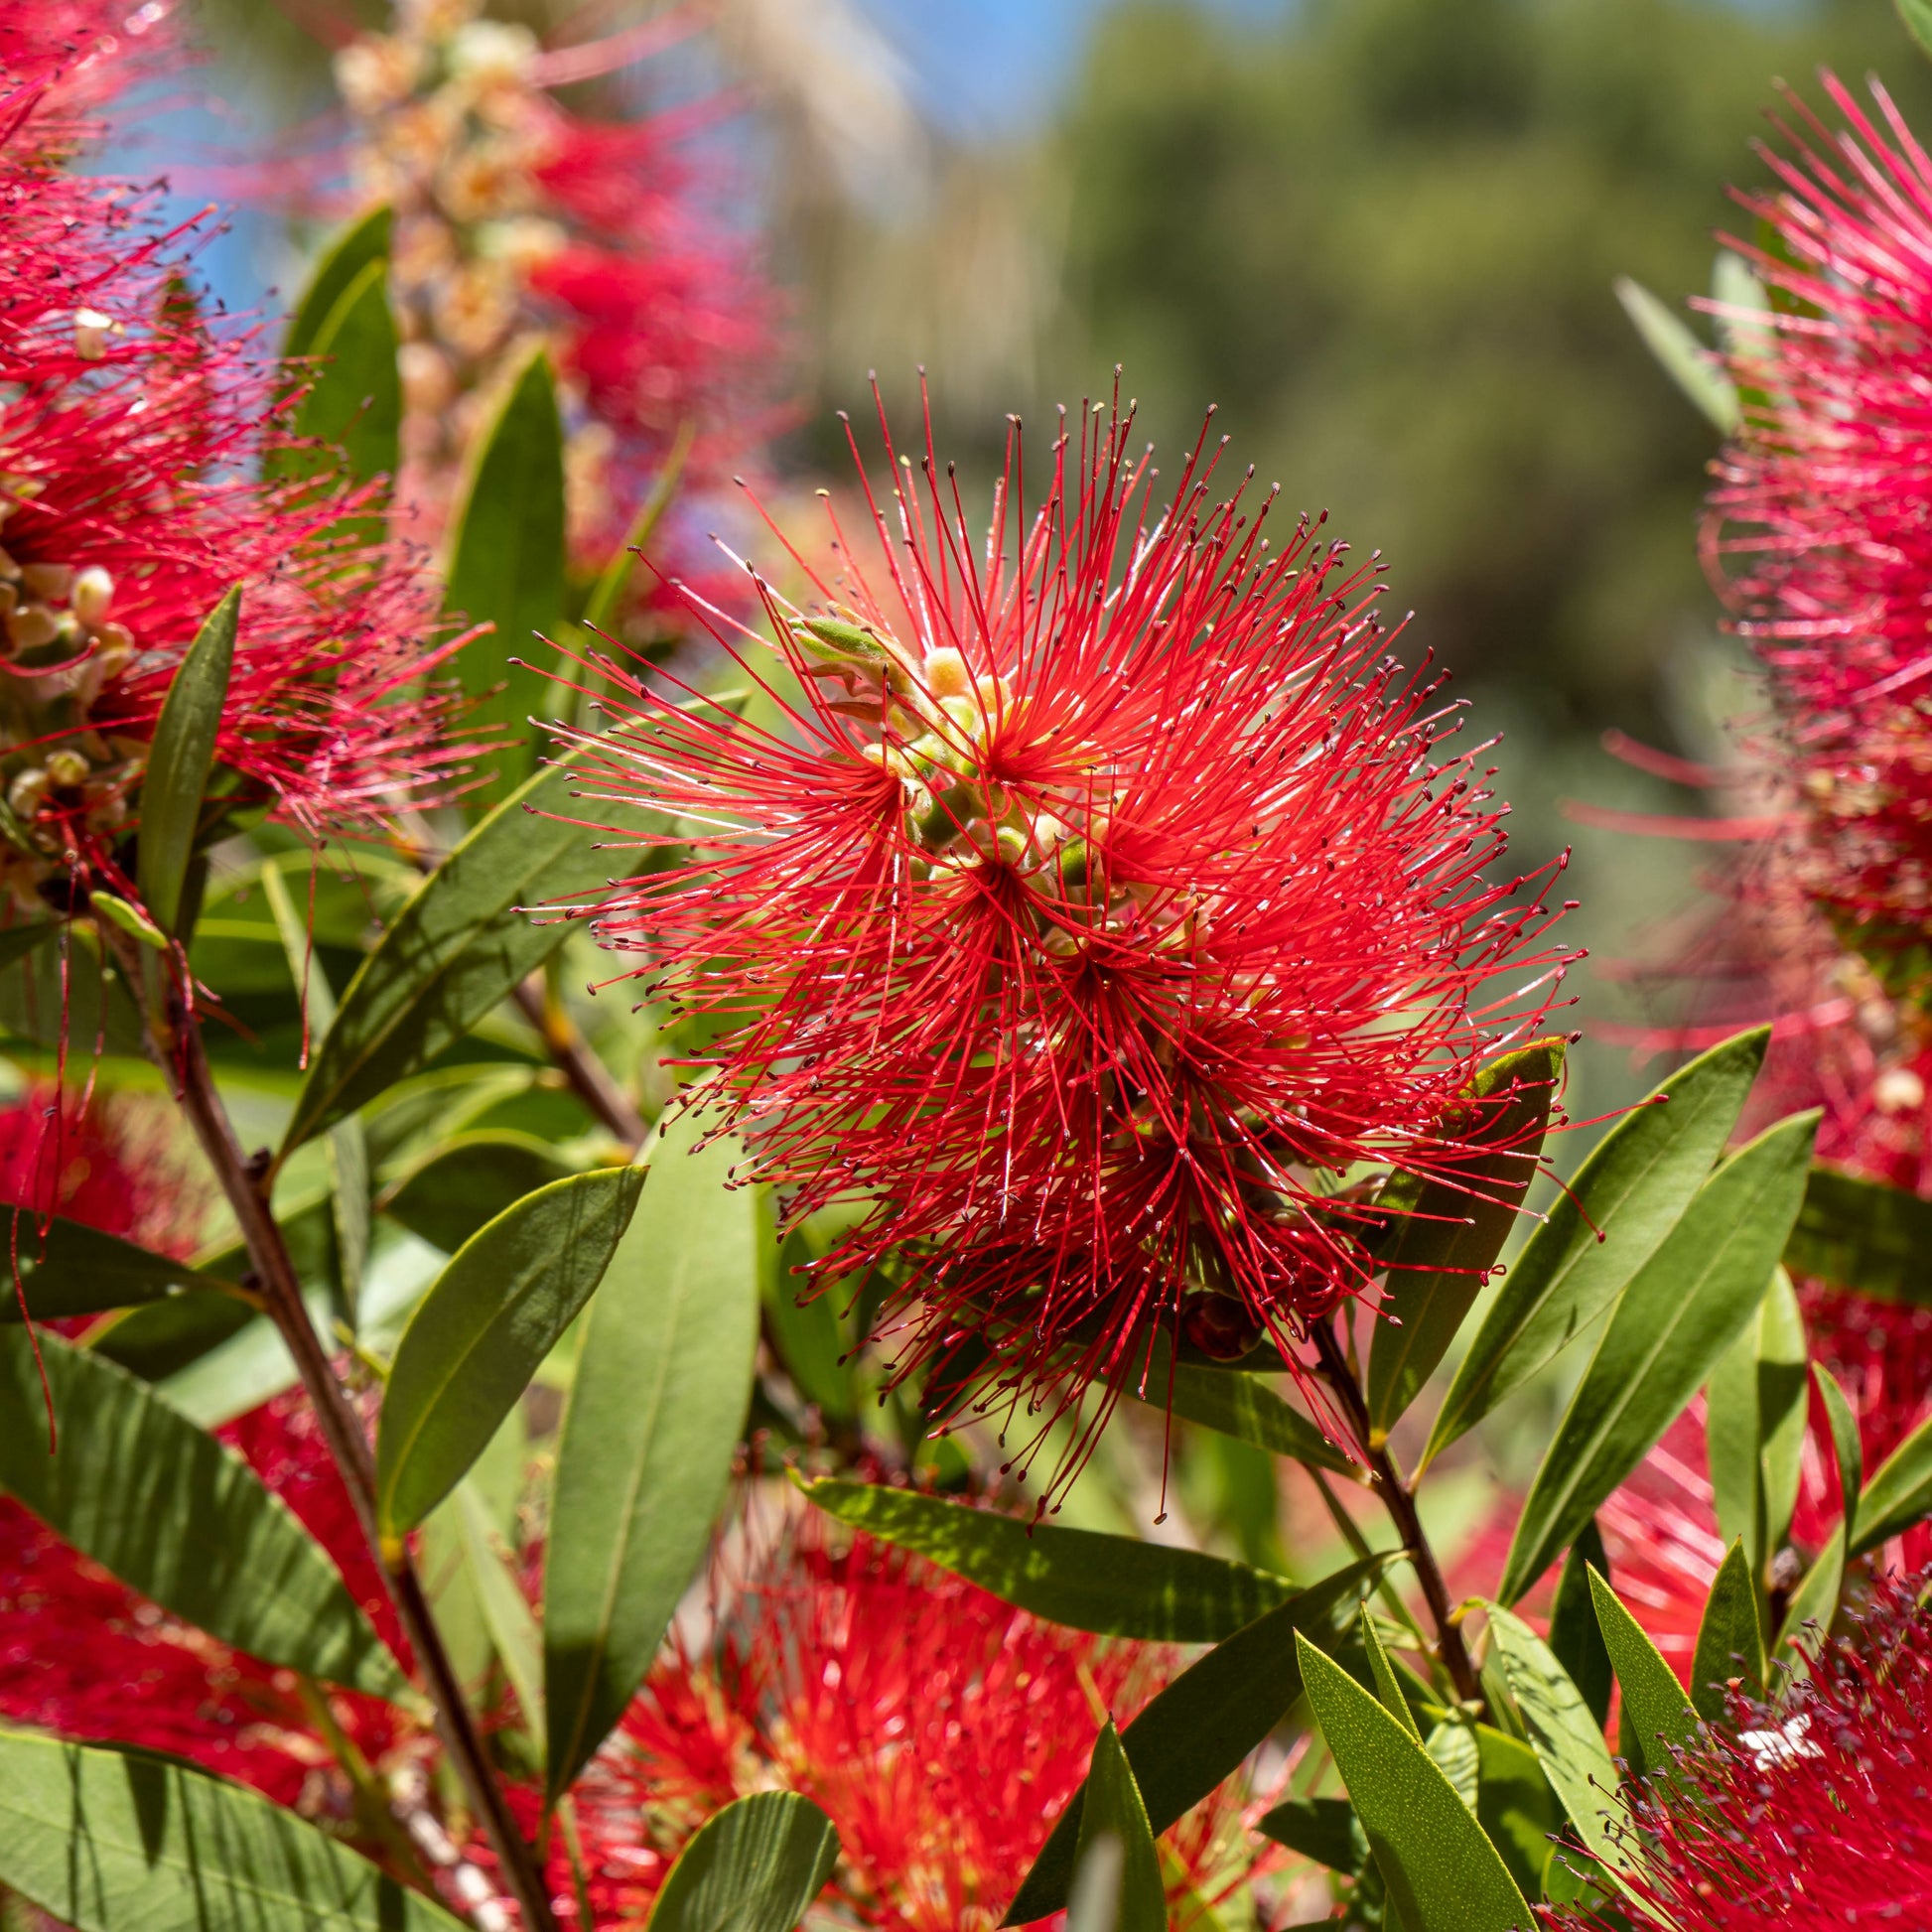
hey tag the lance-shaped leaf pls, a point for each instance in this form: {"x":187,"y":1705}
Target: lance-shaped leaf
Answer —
{"x":1235,"y":1404}
{"x":180,"y":760}
{"x":456,"y":950}
{"x":1696,"y":369}
{"x":1625,"y":1199}
{"x":483,"y":1328}
{"x":1863,"y":1234}
{"x":754,"y":1867}
{"x":1656,"y":1713}
{"x":1731,"y":1638}
{"x":1197,"y":1731}
{"x":1455,"y":1227}
{"x":354,"y":401}
{"x":1814,"y":1603}
{"x":72,"y":1269}
{"x":1437,"y":1863}
{"x":1670,"y":1325}
{"x":1576,"y":1641}
{"x":1325,"y":1829}
{"x":1116,"y":1585}
{"x":506,"y":564}
{"x":179,"y":1517}
{"x":655,"y":1414}
{"x":454,"y":1188}
{"x":1755,"y":1425}
{"x":1899,"y":1493}
{"x":1564,"y":1735}
{"x":122,"y":1841}
{"x":1388,"y":1687}
{"x":1917,"y":18}
{"x":1114,"y":1810}
{"x":348,"y":255}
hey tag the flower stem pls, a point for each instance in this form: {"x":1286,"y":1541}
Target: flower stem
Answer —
{"x":173,"y":1042}
{"x":1398,"y":1500}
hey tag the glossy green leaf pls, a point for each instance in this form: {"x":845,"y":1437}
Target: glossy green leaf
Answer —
{"x":1388,"y":1687}
{"x":161,"y":1339}
{"x":1694,"y":370}
{"x":1454,"y":1230}
{"x":1810,"y":1609}
{"x":1197,"y":1731}
{"x":1635,"y":1188}
{"x":1916,"y":15}
{"x":1898,"y":1494}
{"x":1453,"y":1751}
{"x":1576,"y":1641}
{"x":810,"y":1340}
{"x":354,"y":399}
{"x":1242,"y":1406}
{"x":1731,"y":1637}
{"x":1116,"y":1585}
{"x":1848,"y":1448}
{"x":480,"y":1332}
{"x":507,"y":567}
{"x":1672,"y":1321}
{"x":1515,"y":1807}
{"x":470,"y":1179}
{"x":654,"y":1414}
{"x":74,"y":1269}
{"x":1325,"y":1829}
{"x":348,"y":255}
{"x":1438,"y":1865}
{"x":1656,"y":1712}
{"x":459,"y":947}
{"x":114,"y":1841}
{"x":178,"y":1516}
{"x":506,"y":1612}
{"x":130,"y":919}
{"x":1567,"y":1739}
{"x":1863,"y":1234}
{"x":754,"y":1867}
{"x":1755,"y":1425}
{"x":1113,"y":1809}
{"x":180,"y":760}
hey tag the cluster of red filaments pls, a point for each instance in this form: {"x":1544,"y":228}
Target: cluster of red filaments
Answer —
{"x":1820,"y":523}
{"x":1104,"y":902}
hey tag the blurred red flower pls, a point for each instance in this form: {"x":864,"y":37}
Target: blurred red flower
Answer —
{"x":1105,"y":898}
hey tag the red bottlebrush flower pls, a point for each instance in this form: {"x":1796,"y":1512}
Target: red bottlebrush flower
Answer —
{"x":518,"y":221}
{"x":82,"y":53}
{"x":1818,"y":1814}
{"x":941,"y":1731}
{"x":1106,"y":896}
{"x":128,"y":504}
{"x":1818,"y":509}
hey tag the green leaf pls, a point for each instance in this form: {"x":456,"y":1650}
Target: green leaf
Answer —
{"x":1515,"y":1806}
{"x":1635,"y":1188}
{"x":450,"y":1194}
{"x":1672,"y":1321}
{"x":480,"y":1332}
{"x":458,"y":948}
{"x":1750,"y":1404}
{"x":1438,"y":1865}
{"x":506,"y":566}
{"x":1814,"y":1603}
{"x":1655,"y":1707}
{"x":754,"y":1867}
{"x":354,"y":400}
{"x":180,"y":760}
{"x":1113,"y":1809}
{"x":1197,"y":1731}
{"x":1449,"y":1238}
{"x":131,"y":920}
{"x":1325,"y":1829}
{"x":654,"y":1414}
{"x":1388,"y":1687}
{"x":160,"y":1339}
{"x":1453,"y":1751}
{"x":506,"y":1612}
{"x":1864,"y":1236}
{"x":17,"y":941}
{"x":1567,"y":1739}
{"x":1116,"y":1585}
{"x":1242,"y":1406}
{"x":608,"y":591}
{"x":1575,"y":1640}
{"x":179,"y":1517}
{"x":364,"y":240}
{"x":1781,"y":1409}
{"x":1847,"y":1446}
{"x":1731,"y":1638}
{"x":1916,"y":16}
{"x":1898,"y":1494}
{"x":811,"y":1341}
{"x":1694,"y":368}
{"x":77,"y":1270}
{"x":113,"y":1841}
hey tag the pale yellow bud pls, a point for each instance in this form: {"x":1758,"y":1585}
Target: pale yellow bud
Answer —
{"x":30,"y":627}
{"x":1899,"y":1090}
{"x":93,"y":596}
{"x":27,"y":791}
{"x":946,"y":675}
{"x":91,"y":330}
{"x":66,"y":769}
{"x":53,"y":581}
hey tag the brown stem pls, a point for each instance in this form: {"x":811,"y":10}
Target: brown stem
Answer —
{"x":1400,"y":1502}
{"x":174,"y":1042}
{"x":589,"y":1077}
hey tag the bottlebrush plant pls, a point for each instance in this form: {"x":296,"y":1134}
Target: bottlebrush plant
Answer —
{"x":552,"y":1471}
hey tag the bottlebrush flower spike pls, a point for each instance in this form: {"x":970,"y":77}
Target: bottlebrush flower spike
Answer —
{"x":517,"y":219}
{"x":1106,"y":899}
{"x":130,"y":444}
{"x":1818,"y":515}
{"x":1817,"y":1814}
